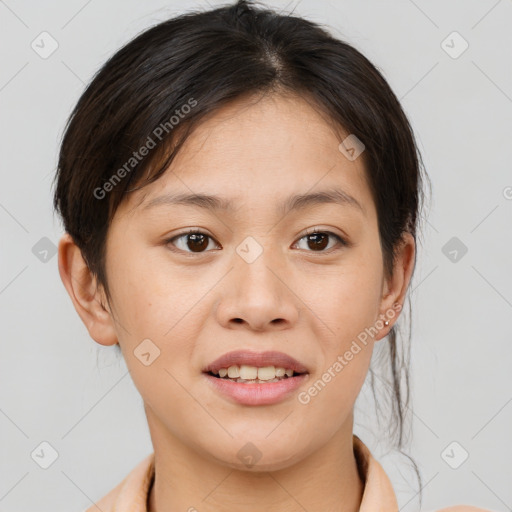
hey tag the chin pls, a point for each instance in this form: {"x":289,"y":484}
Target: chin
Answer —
{"x":263,"y":465}
{"x":258,"y":455}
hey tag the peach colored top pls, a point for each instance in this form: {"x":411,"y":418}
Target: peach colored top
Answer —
{"x":131,"y":494}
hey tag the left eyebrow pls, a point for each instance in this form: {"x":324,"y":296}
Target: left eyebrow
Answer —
{"x":292,"y":203}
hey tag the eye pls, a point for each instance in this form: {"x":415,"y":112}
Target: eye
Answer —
{"x":319,"y":240}
{"x":195,"y":240}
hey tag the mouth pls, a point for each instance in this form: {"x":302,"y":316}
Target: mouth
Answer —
{"x":253,"y":374}
{"x":256,"y":378}
{"x":255,"y":367}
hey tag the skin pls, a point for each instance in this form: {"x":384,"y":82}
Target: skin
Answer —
{"x":187,"y":303}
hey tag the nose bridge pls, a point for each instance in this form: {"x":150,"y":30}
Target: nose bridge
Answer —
{"x":256,"y":265}
{"x":258,"y":294}
{"x":258,"y":272}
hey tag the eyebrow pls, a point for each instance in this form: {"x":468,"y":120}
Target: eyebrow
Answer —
{"x":294,"y":202}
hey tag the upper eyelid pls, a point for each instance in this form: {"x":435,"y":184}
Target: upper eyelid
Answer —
{"x":341,"y":239}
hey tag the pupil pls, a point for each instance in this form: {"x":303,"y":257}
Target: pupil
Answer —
{"x":318,"y":244}
{"x":195,"y":238}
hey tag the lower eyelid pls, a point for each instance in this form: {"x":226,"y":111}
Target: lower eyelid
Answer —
{"x":341,"y":241}
{"x":172,"y":240}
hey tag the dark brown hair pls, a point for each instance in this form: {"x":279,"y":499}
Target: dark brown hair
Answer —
{"x":179,"y":71}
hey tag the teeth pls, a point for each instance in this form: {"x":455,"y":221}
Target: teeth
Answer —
{"x":257,"y":381}
{"x":246,"y":373}
{"x":233,"y":372}
{"x":267,"y":373}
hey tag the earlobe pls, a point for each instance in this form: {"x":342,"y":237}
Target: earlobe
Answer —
{"x":87,"y":297}
{"x":395,"y":288}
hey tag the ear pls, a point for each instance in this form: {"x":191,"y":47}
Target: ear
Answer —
{"x":87,"y":297}
{"x":395,"y":288}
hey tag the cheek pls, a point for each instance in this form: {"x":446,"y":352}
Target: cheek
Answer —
{"x":333,"y":389}
{"x":152,"y":303}
{"x":347,"y":302}
{"x":148,"y":298}
{"x":346,"y":298}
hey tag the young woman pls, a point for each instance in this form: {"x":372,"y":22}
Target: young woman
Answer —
{"x":240,"y":194}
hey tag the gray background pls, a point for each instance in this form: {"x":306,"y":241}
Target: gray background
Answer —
{"x":57,"y":385}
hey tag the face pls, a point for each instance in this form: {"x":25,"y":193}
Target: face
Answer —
{"x":261,"y":273}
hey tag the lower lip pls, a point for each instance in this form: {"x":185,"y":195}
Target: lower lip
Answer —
{"x":257,"y":394}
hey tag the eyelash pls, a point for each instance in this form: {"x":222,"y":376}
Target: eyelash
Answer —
{"x":341,"y":240}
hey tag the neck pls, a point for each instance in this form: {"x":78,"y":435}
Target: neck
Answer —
{"x":328,"y":479}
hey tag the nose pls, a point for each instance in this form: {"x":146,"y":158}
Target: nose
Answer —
{"x":257,"y":296}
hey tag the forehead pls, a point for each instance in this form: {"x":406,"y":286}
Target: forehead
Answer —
{"x":259,"y":151}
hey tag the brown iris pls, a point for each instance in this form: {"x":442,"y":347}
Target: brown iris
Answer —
{"x":199,"y":242}
{"x":320,"y":240}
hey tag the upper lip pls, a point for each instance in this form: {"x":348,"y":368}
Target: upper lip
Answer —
{"x":258,"y":359}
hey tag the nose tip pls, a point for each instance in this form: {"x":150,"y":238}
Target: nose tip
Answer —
{"x":256,"y":297}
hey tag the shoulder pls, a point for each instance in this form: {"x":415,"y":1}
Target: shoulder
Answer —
{"x":132,"y":490}
{"x":106,"y":504}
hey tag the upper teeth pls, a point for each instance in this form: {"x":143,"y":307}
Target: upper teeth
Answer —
{"x":247,"y":372}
